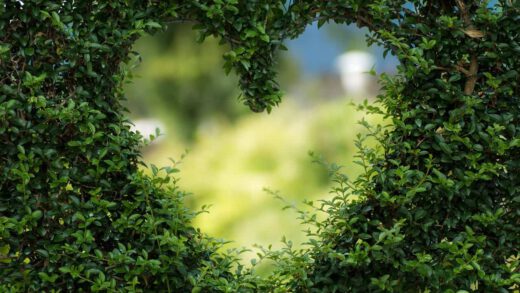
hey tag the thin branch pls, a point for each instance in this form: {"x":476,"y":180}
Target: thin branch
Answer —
{"x":464,"y":13}
{"x":457,"y":67}
{"x":472,"y":72}
{"x":463,"y":70}
{"x":472,"y":76}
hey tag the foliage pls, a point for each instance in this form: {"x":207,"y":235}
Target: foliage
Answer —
{"x":76,"y":214}
{"x":437,"y":208}
{"x":438,"y":204}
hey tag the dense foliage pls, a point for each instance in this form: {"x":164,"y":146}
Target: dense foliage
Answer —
{"x":436,"y":210}
{"x":76,"y":213}
{"x":438,"y":206}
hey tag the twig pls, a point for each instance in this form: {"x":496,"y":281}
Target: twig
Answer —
{"x":472,"y":76}
{"x":464,"y":13}
{"x":471,"y":73}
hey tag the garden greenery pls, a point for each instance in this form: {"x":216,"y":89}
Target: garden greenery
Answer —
{"x":436,"y":210}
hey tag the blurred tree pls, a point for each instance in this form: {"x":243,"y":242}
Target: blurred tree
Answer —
{"x":183,"y":83}
{"x":349,"y":37}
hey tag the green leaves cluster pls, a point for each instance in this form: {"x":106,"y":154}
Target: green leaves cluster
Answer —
{"x":436,"y":210}
{"x":76,"y":213}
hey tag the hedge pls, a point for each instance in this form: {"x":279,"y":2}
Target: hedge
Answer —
{"x":437,"y":209}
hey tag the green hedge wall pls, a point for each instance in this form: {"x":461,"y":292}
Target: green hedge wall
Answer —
{"x":76,"y":214}
{"x":437,"y":209}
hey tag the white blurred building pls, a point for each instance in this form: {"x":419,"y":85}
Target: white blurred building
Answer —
{"x":354,"y":68}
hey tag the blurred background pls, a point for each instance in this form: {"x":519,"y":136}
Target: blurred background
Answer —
{"x":179,"y":86}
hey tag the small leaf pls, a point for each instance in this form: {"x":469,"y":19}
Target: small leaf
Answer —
{"x":36,"y":214}
{"x":473,"y":33}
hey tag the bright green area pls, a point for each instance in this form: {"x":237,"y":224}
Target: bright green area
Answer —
{"x":234,"y":155}
{"x":229,"y":166}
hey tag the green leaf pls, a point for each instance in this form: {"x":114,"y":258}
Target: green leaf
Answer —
{"x":36,"y":215}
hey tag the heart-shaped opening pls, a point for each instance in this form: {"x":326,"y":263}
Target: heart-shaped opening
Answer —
{"x":235,"y":155}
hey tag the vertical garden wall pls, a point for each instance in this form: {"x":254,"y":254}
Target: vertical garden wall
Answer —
{"x":436,"y":210}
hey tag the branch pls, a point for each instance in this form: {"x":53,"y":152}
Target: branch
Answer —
{"x":470,"y":30}
{"x":472,"y":76}
{"x":462,"y":69}
{"x":464,"y":13}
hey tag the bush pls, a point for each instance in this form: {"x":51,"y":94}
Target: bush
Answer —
{"x":436,"y":210}
{"x":76,"y":214}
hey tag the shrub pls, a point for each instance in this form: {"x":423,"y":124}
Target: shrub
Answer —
{"x":76,"y":213}
{"x":436,"y":210}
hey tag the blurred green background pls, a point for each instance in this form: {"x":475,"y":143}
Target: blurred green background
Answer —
{"x":234,"y":154}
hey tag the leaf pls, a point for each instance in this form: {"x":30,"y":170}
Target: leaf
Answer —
{"x":473,"y":33}
{"x":153,"y":24}
{"x":36,"y":215}
{"x":250,"y":33}
{"x":43,"y":252}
